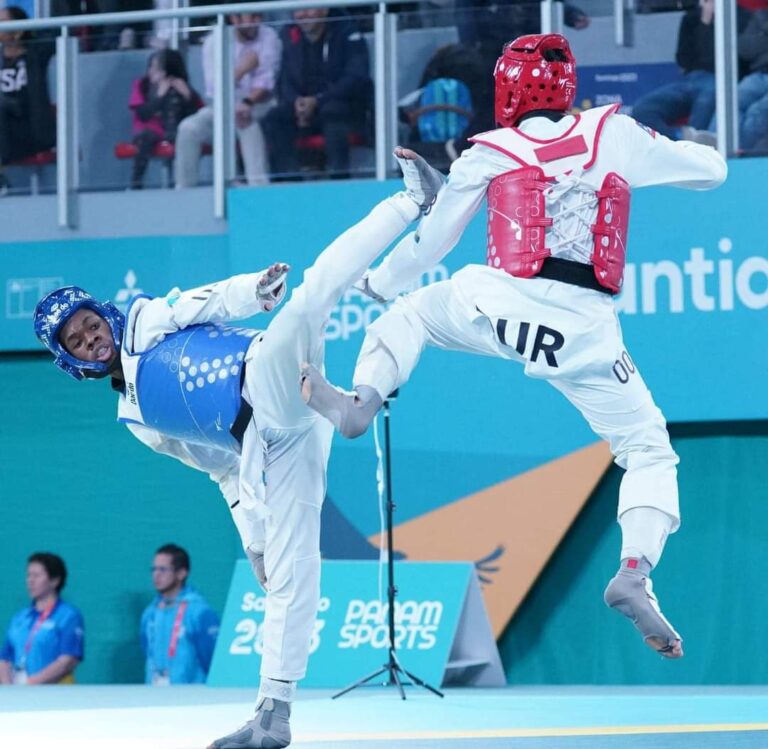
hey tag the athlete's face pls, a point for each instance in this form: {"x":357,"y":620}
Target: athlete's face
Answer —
{"x":87,"y":337}
{"x":39,"y":585}
{"x":164,"y":577}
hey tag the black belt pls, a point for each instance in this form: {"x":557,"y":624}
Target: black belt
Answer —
{"x":569,"y":271}
{"x":243,"y":418}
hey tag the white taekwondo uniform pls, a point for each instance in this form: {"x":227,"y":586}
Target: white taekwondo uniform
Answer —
{"x":564,"y":333}
{"x":274,"y":484}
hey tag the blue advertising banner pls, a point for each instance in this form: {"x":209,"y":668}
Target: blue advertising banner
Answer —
{"x":621,"y":84}
{"x":351,"y":633}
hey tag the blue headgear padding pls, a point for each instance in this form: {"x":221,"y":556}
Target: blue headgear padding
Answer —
{"x":52,"y":313}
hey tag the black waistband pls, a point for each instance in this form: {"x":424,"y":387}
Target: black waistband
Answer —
{"x":569,"y":271}
{"x":243,"y":418}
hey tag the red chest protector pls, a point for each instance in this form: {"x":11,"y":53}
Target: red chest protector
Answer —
{"x":517,"y":210}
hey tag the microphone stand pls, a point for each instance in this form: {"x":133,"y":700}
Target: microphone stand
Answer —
{"x":392,"y":667}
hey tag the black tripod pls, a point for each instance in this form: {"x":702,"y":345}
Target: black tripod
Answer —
{"x":392,"y":667}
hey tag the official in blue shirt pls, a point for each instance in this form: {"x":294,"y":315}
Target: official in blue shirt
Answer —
{"x":178,"y":629}
{"x":44,"y":642}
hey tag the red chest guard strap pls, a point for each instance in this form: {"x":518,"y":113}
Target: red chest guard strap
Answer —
{"x":517,"y":221}
{"x":609,"y":253}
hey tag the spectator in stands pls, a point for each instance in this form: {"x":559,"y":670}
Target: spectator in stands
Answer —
{"x":44,"y":642}
{"x":324,"y":88}
{"x":693,"y":97}
{"x":256,"y":61}
{"x":487,"y":25}
{"x":125,"y":36}
{"x":753,"y":89}
{"x":160,"y":100}
{"x":443,"y":106}
{"x":91,"y":37}
{"x":27,"y":120}
{"x":178,"y":629}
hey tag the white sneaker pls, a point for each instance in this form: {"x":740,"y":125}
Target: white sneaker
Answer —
{"x":268,"y":729}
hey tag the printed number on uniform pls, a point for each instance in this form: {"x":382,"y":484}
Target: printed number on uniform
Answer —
{"x":623,"y":367}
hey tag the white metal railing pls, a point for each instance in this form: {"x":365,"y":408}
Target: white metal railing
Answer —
{"x":385,"y":68}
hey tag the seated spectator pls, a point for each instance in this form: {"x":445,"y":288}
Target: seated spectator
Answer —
{"x":256,"y":57}
{"x":752,"y":91}
{"x":160,"y":100}
{"x":91,"y":37}
{"x":27,"y":119}
{"x":324,"y":88}
{"x":178,"y":629}
{"x":753,"y":88}
{"x":44,"y":642}
{"x":487,"y":26}
{"x":125,"y":36}
{"x":443,"y":107}
{"x":693,"y":97}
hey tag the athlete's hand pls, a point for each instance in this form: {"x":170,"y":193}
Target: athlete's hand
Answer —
{"x":272,"y":286}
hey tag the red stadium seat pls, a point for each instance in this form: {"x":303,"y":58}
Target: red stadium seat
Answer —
{"x":317,"y":142}
{"x":36,"y":162}
{"x":311,"y":152}
{"x":164,"y":150}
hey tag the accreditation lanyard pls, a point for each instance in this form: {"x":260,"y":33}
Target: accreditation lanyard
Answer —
{"x":36,"y":627}
{"x":176,"y":629}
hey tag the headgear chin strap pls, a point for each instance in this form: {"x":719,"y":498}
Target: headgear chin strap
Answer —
{"x":52,"y":313}
{"x":537,"y":71}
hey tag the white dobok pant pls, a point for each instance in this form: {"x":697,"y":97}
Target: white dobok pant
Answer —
{"x":286,"y":446}
{"x":565,"y":334}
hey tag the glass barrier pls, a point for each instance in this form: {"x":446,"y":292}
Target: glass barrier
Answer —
{"x":141,"y":127}
{"x":27,"y":116}
{"x":145,"y":116}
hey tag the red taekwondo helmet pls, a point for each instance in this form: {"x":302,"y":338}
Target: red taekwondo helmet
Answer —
{"x":536,"y":71}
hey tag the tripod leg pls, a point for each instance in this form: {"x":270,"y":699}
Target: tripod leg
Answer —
{"x":362,"y":681}
{"x":395,"y":676}
{"x":419,"y":682}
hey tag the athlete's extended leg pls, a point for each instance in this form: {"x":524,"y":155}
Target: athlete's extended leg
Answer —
{"x":620,"y":408}
{"x":434,"y":315}
{"x":295,"y":467}
{"x":296,"y":333}
{"x":295,"y":336}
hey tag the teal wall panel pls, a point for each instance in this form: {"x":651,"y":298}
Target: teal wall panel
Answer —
{"x":709,"y":583}
{"x":79,"y":484}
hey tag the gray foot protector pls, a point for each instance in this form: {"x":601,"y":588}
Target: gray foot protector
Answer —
{"x":351,"y":414}
{"x":631,"y":593}
{"x":269,"y":729}
{"x":422,"y":182}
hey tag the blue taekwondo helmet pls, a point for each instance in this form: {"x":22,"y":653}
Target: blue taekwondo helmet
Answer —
{"x":52,"y":313}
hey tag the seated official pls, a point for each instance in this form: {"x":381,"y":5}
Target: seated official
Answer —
{"x":44,"y":641}
{"x":179,"y":628}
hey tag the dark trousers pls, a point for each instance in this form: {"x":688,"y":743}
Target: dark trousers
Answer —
{"x":173,"y":108}
{"x":16,"y":141}
{"x":282,"y":131}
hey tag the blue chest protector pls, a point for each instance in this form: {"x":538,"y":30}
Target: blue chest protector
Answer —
{"x":188,"y":385}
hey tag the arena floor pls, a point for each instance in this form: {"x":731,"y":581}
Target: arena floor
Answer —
{"x":137,"y":717}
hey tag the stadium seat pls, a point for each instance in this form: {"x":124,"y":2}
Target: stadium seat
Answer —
{"x":36,"y":162}
{"x":164,"y":150}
